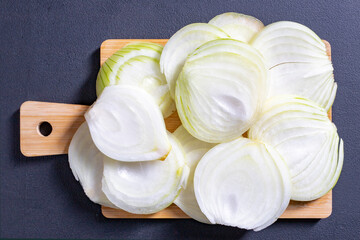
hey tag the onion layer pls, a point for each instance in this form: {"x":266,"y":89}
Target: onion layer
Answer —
{"x":126,"y":124}
{"x":242,"y":183}
{"x":239,"y":26}
{"x":194,"y":150}
{"x":137,"y":64}
{"x":86,"y":163}
{"x":183,"y":43}
{"x":298,"y":62}
{"x":220,"y":90}
{"x":145,"y":187}
{"x":301,"y":132}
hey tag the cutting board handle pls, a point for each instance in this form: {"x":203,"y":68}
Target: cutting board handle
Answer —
{"x":62,"y":121}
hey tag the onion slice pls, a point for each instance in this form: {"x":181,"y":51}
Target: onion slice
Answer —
{"x":108,"y":73}
{"x":86,"y":163}
{"x":220,"y":90}
{"x":145,"y":187}
{"x":238,"y":26}
{"x":298,"y":62}
{"x":137,"y":64}
{"x":301,"y":132}
{"x":194,"y":150}
{"x":181,"y":44}
{"x":126,"y":125}
{"x":144,"y":72}
{"x":242,"y":183}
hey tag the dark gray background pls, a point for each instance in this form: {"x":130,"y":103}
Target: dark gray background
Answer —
{"x":49,"y":51}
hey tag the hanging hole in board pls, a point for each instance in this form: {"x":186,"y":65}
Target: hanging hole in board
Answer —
{"x":44,"y":129}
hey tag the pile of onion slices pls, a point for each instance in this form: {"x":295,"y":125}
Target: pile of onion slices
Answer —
{"x":255,"y":134}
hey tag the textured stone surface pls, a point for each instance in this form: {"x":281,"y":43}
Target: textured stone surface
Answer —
{"x":49,"y":51}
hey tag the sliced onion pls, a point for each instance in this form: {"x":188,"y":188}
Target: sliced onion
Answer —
{"x":220,"y":90}
{"x":301,"y":132}
{"x":137,"y":64}
{"x":144,"y":72}
{"x":145,"y":187}
{"x":107,"y":74}
{"x":194,"y":150}
{"x":181,"y":44}
{"x":298,"y":62}
{"x":86,"y":163}
{"x":126,"y":124}
{"x":238,"y":26}
{"x":242,"y":183}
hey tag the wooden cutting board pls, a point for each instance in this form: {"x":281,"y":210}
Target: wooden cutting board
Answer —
{"x":66,"y":118}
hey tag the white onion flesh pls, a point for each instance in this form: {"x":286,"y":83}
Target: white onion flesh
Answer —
{"x":242,"y":183}
{"x":220,"y":90}
{"x":144,"y":72}
{"x":126,"y":125}
{"x":297,"y":61}
{"x":301,"y":132}
{"x":238,"y":26}
{"x":183,"y":43}
{"x":145,"y":187}
{"x":225,"y":78}
{"x":194,"y":150}
{"x":86,"y":163}
{"x":137,"y":64}
{"x":107,"y":74}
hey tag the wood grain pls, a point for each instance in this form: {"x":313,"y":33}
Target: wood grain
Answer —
{"x":320,"y":208}
{"x":110,"y":46}
{"x":66,"y":118}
